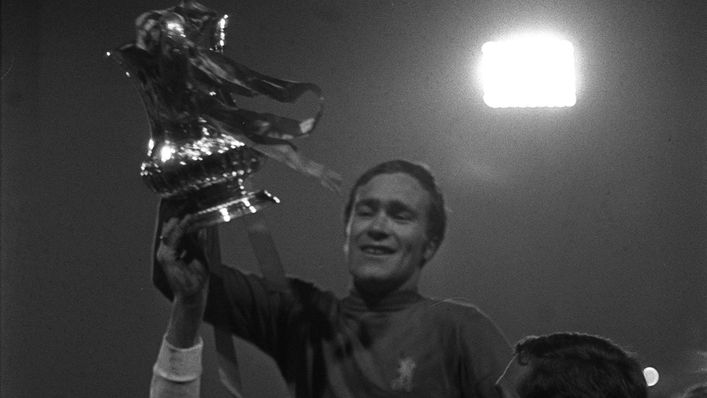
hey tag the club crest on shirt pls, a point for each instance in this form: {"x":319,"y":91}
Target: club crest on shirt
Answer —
{"x":406,"y":369}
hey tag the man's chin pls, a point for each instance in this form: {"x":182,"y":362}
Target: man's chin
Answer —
{"x":370,"y":272}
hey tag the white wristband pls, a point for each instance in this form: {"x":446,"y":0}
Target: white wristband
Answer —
{"x":179,"y":364}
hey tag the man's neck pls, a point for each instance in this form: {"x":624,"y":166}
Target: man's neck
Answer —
{"x":372,"y":295}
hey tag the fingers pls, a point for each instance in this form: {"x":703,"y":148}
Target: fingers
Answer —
{"x":171,"y":247}
{"x":174,"y":207}
{"x":174,"y":230}
{"x":180,"y":242}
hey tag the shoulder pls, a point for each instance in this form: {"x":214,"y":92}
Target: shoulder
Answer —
{"x":454,"y":307}
{"x":234,"y":275}
{"x":460,"y":314}
{"x":309,"y":291}
{"x":471,"y":328}
{"x":243,"y":285}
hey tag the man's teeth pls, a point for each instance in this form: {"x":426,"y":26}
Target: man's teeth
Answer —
{"x":376,"y":250}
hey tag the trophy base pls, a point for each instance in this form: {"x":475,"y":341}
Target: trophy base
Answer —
{"x":217,"y":209}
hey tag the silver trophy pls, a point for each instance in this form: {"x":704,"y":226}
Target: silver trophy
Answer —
{"x":203,"y":146}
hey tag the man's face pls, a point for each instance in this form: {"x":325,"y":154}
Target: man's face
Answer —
{"x":509,"y":382}
{"x":386,"y":236}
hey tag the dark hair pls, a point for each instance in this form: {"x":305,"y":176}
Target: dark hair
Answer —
{"x":437,"y":216}
{"x":576,"y":365}
{"x":696,"y":391}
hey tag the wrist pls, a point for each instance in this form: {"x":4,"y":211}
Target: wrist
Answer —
{"x":183,"y":328}
{"x":186,"y":318}
{"x":192,"y":301}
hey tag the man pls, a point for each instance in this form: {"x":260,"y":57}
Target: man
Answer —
{"x":571,"y":365}
{"x":383,"y":340}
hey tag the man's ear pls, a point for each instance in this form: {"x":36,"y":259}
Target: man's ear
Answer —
{"x":430,"y":250}
{"x":345,"y":246}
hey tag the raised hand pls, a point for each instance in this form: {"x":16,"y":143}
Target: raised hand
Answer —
{"x":181,"y":255}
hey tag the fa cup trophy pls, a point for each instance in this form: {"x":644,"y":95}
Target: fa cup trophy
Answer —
{"x":203,"y":146}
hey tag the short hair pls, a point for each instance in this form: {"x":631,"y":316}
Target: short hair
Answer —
{"x":436,"y":214}
{"x":576,"y":365}
{"x":696,"y":391}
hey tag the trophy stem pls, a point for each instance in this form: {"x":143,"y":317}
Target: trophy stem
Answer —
{"x":225,"y":201}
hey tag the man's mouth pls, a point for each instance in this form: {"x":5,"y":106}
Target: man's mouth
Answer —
{"x":376,"y":250}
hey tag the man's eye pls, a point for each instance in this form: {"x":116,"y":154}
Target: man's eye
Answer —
{"x":403,"y":216}
{"x":364,"y":211}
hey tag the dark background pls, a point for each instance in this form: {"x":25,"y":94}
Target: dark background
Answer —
{"x":590,"y":218}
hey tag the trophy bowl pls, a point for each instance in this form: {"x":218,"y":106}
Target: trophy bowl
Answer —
{"x":210,"y":172}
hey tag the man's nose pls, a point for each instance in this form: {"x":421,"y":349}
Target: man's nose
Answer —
{"x":378,"y":228}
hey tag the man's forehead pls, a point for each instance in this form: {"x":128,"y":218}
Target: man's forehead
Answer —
{"x":393,"y":187}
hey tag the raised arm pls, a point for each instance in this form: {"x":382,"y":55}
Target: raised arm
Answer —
{"x":180,"y":255}
{"x":182,"y":258}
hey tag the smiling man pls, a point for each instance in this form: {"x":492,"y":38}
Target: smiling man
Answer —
{"x":389,"y":233}
{"x":383,"y":340}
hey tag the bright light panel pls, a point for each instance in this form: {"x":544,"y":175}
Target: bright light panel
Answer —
{"x":528,"y":71}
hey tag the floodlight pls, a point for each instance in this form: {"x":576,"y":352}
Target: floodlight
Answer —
{"x":528,"y":71}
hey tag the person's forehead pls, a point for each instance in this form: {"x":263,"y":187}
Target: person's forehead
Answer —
{"x":393,"y":186}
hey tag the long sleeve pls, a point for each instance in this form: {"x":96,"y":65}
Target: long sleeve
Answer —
{"x":177,"y":372}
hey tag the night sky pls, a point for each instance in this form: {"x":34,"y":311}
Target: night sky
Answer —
{"x":590,"y":218}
